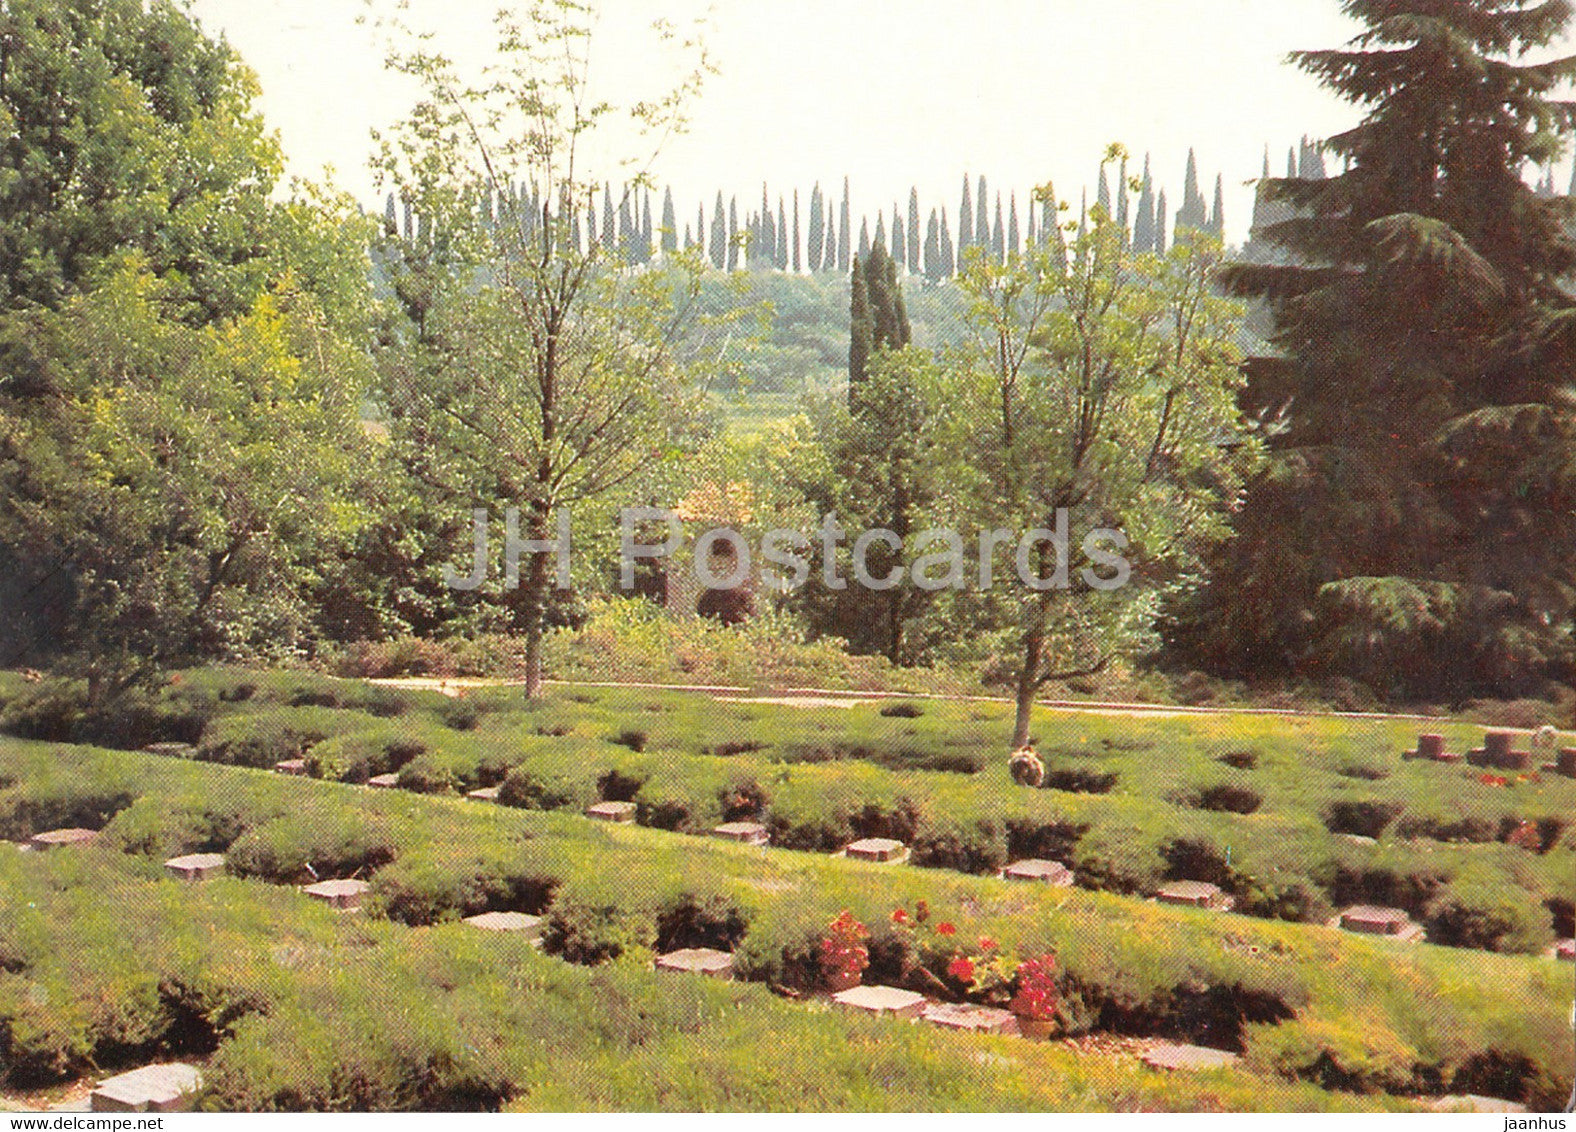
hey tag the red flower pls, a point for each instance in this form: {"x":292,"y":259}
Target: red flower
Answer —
{"x":987,"y":944}
{"x":946,"y":928}
{"x":961,"y":969}
{"x":900,"y":917}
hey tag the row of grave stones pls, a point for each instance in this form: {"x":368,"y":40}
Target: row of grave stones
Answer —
{"x":1498,"y":753}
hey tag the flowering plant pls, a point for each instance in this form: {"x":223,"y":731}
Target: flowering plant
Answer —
{"x":1036,"y":996}
{"x":843,"y":950}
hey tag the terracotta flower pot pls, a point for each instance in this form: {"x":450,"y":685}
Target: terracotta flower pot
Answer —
{"x":1036,"y":1029}
{"x":841,"y":981}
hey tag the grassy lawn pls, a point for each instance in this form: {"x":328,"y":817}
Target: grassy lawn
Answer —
{"x":297,"y":1007}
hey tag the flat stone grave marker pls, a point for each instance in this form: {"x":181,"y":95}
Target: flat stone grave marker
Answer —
{"x":55,"y":838}
{"x":1045,"y":872}
{"x":295,"y":767}
{"x":881,"y":849}
{"x":1194,"y":894}
{"x":746,"y":832}
{"x":344,"y":895}
{"x":1565,"y":762}
{"x":1366,"y":919}
{"x":1166,"y":1055}
{"x":1566,"y":950}
{"x":485,"y":794}
{"x":698,"y":961}
{"x":384,"y":781}
{"x":153,"y":1088}
{"x":196,"y":866}
{"x":891,"y":1001}
{"x":965,"y":1016}
{"x":1496,"y":752}
{"x":529,"y":926}
{"x":621,"y":812}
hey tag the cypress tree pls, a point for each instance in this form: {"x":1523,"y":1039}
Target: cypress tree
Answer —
{"x":965,"y":220}
{"x":670,"y":225}
{"x":609,"y":220}
{"x":719,"y":236}
{"x":861,"y":331}
{"x":998,"y":236}
{"x":933,"y":270}
{"x":780,"y":239}
{"x":410,"y":222}
{"x":913,"y":231}
{"x":1217,"y":216}
{"x":844,"y":231}
{"x":1144,"y":222}
{"x":1031,"y":236}
{"x":390,"y":217}
{"x":864,"y":238}
{"x":768,"y":234}
{"x":1103,"y":198}
{"x":1412,"y":527}
{"x":733,"y":234}
{"x":816,"y":230}
{"x":981,"y":216}
{"x":899,"y":243}
{"x":798,"y":261}
{"x":1123,"y":220}
{"x":627,"y":229}
{"x":1162,"y":214}
{"x":1194,"y":213}
{"x":1012,"y":226}
{"x":949,"y":259}
{"x":829,"y":258}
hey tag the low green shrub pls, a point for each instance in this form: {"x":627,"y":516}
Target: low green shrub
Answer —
{"x":314,"y":841}
{"x":263,"y":736}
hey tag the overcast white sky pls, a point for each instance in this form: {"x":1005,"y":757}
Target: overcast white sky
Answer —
{"x":891,"y":94}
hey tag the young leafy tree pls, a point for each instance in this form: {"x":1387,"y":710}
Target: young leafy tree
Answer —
{"x":1412,"y":528}
{"x":1095,"y":398}
{"x":563,"y":379}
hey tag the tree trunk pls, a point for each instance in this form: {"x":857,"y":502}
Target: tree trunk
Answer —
{"x":536,"y":581}
{"x":1028,"y":685}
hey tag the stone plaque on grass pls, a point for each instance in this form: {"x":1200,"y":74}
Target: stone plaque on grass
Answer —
{"x":698,"y":961}
{"x":1366,"y":919}
{"x":978,"y":1019}
{"x":384,"y":781}
{"x":195,"y":866}
{"x":1167,"y":1055}
{"x":621,"y":812}
{"x":881,"y":849}
{"x":529,"y":926}
{"x":485,"y":794}
{"x":882,"y":1000}
{"x":746,"y":832}
{"x":1194,"y":894}
{"x":1045,"y":872}
{"x":342,"y":894}
{"x":56,"y":838}
{"x":1430,"y":747}
{"x":294,"y":767}
{"x":153,"y":1088}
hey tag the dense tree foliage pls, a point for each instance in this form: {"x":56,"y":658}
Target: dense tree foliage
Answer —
{"x":1414,"y":527}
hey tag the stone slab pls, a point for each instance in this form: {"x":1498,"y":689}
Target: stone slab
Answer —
{"x":195,"y":866}
{"x":1045,"y":872}
{"x":342,"y":894}
{"x":529,"y":926}
{"x":1193,"y":894}
{"x":172,"y":750}
{"x":977,"y":1019}
{"x":485,"y":794}
{"x":154,"y":1088}
{"x":56,"y":838}
{"x":1166,"y":1055}
{"x":293,"y":767}
{"x":745,"y":832}
{"x":384,"y":782}
{"x":892,"y":1001}
{"x":1390,"y":923}
{"x":623,"y":813}
{"x":698,"y":961}
{"x":880,"y":849}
